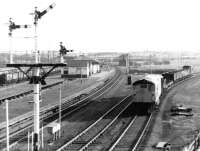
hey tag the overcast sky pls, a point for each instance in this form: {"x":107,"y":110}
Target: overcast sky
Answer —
{"x":105,"y":25}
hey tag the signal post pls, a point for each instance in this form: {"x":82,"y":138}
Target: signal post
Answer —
{"x":36,"y":79}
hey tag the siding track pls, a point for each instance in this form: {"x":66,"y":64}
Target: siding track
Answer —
{"x":51,"y":114}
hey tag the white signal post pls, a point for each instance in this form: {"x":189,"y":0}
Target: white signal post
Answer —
{"x":60,"y":108}
{"x":10,"y":40}
{"x":36,"y":78}
{"x":28,"y":146}
{"x":62,"y":61}
{"x":36,"y":141}
{"x":10,"y":48}
{"x":7,"y":126}
{"x":36,"y":94}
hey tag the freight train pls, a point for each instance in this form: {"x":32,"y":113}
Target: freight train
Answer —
{"x":12,"y":75}
{"x":148,"y":90}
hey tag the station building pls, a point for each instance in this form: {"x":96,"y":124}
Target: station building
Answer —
{"x":80,"y":68}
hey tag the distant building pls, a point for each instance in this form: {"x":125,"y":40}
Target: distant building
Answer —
{"x":80,"y":68}
{"x":106,"y":57}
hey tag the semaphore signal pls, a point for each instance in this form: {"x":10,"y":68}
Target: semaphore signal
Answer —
{"x":63,"y":52}
{"x":38,"y":14}
{"x":36,"y":79}
{"x":12,"y":26}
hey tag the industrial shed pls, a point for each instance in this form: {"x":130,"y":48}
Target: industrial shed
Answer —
{"x":80,"y":68}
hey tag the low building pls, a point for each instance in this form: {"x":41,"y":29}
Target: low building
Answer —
{"x":80,"y":68}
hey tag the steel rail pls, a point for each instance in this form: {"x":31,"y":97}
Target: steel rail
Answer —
{"x":56,"y":106}
{"x":102,"y":131}
{"x":115,"y":80}
{"x":68,"y":113}
{"x":142,"y":134}
{"x":122,"y":134}
{"x":22,"y":94}
{"x":93,"y":124}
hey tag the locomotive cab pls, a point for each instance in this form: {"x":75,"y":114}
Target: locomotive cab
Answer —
{"x":147,"y":93}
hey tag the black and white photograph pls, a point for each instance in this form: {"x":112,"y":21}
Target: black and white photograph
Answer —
{"x":100,"y":75}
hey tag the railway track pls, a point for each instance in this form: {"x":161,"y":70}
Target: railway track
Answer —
{"x":25,"y":93}
{"x":131,"y":137}
{"x":118,"y":129}
{"x":68,"y":107}
{"x":89,"y":135}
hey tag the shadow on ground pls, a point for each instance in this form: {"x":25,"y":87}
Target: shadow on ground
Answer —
{"x":97,"y":108}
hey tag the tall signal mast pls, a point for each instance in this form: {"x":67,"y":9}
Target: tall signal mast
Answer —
{"x":37,"y":15}
{"x":37,"y":79}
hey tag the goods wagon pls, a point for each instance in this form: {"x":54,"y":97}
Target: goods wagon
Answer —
{"x":169,"y":78}
{"x":11,"y":75}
